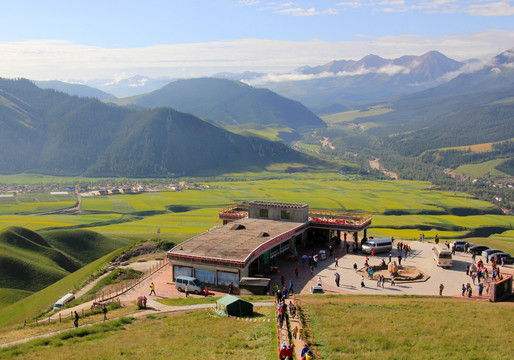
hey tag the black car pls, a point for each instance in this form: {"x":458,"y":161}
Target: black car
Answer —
{"x":498,"y":256}
{"x":490,"y":252}
{"x":477,"y":249}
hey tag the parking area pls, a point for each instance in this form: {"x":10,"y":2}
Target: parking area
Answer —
{"x":421,"y":257}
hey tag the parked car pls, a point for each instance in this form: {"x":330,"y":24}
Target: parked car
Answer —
{"x":317,"y":290}
{"x":477,"y":249}
{"x":490,"y":252}
{"x":193,"y":284}
{"x":460,"y":245}
{"x":508,"y":259}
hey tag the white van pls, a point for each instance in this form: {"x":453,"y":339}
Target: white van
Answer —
{"x":193,"y":284}
{"x":443,"y":256}
{"x":380,"y":245}
{"x":63,"y":301}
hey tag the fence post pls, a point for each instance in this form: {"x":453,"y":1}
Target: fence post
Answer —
{"x":59,"y":317}
{"x":36,"y":321}
{"x":24,"y":323}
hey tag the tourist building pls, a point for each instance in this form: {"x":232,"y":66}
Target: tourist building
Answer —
{"x":255,"y":235}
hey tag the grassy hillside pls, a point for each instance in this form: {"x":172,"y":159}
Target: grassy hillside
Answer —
{"x":410,"y":328}
{"x":10,"y":296}
{"x":30,"y":262}
{"x":34,"y":304}
{"x":482,"y":169}
{"x":179,"y":336}
{"x":84,"y":246}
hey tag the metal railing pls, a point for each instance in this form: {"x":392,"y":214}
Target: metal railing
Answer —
{"x":102,"y":298}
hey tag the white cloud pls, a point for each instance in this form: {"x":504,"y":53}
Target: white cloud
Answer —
{"x":353,"y":4}
{"x":295,"y":76}
{"x":471,"y":7}
{"x":392,"y":70}
{"x":248,"y":2}
{"x":392,"y":2}
{"x":495,"y":8}
{"x":308,"y":12}
{"x":52,"y":59}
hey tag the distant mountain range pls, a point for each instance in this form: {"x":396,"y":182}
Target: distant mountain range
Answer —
{"x":473,"y":108}
{"x":342,"y":85}
{"x":51,"y":132}
{"x":336,"y":86}
{"x":229,"y":102}
{"x":134,"y":85}
{"x":74,"y":89}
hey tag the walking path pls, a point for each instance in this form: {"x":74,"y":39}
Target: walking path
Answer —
{"x":152,"y":307}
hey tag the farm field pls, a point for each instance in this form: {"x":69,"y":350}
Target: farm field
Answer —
{"x":476,"y":147}
{"x":270,"y":132}
{"x":349,"y":116}
{"x":36,"y":203}
{"x":409,"y":328}
{"x":401,"y":209}
{"x":481,"y":169}
{"x":39,"y":222}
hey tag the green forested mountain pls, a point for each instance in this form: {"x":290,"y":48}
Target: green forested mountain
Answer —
{"x":230,"y":102}
{"x":50,"y":132}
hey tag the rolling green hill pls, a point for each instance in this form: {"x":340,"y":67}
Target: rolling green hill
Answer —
{"x":34,"y":303}
{"x":29,"y":262}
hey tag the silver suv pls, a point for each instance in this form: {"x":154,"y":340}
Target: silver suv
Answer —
{"x":459,"y":245}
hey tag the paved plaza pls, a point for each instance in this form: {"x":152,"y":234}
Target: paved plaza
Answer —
{"x":421,"y":257}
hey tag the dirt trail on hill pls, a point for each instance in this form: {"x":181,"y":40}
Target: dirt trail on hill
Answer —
{"x":375,"y":164}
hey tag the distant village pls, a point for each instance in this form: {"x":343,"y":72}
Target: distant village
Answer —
{"x":96,"y":190}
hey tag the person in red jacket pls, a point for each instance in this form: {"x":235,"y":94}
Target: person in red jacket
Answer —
{"x":282,"y":354}
{"x":290,"y":351}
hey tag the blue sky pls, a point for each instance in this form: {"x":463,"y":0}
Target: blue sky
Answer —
{"x":185,"y":38}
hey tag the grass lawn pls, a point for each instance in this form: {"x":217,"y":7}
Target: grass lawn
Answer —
{"x":175,"y":336}
{"x":413,"y":328}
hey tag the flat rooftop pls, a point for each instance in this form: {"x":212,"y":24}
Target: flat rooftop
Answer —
{"x":228,"y":244}
{"x":279,"y":204}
